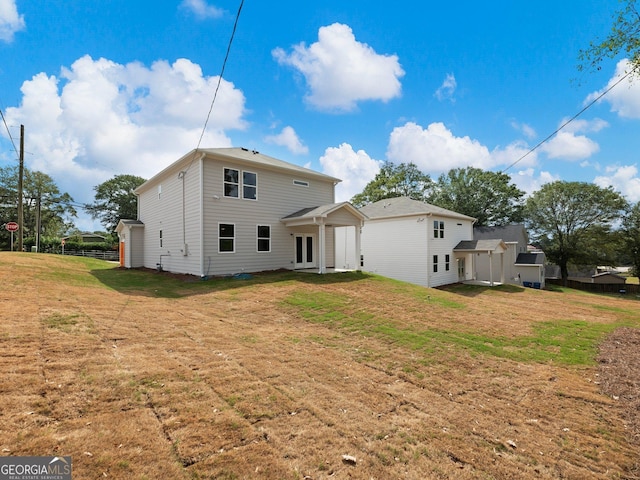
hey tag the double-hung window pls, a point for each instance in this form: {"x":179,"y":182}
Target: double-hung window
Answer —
{"x":264,"y":238}
{"x":435,"y":264}
{"x":438,"y":229}
{"x":447,"y":261}
{"x":226,"y":238}
{"x":236,"y":181}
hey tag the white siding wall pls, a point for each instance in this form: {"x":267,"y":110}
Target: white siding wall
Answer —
{"x":345,"y":250}
{"x":403,"y":248}
{"x":277,"y":197}
{"x":174,"y":210}
{"x":396,"y":248}
{"x":135,"y":246}
{"x":454,"y":232}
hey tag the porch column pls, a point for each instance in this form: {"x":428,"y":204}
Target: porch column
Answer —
{"x":358,"y":248}
{"x":321,"y":249}
{"x":490,"y":268}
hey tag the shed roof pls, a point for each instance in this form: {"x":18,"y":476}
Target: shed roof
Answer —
{"x":536,"y":258}
{"x":405,"y":206}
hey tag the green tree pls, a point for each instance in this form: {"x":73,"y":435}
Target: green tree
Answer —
{"x":487,"y":196}
{"x":571,"y":221}
{"x":404,"y":180}
{"x":115,"y":200}
{"x":43,"y":203}
{"x":631,"y":237}
{"x":624,"y":38}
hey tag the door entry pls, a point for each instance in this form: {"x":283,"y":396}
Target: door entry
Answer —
{"x":305,"y":251}
{"x":461,"y":270}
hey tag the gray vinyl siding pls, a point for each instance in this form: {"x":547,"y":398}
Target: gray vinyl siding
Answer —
{"x":165,"y":212}
{"x":277,"y":197}
{"x":135,"y":244}
{"x":454,"y":231}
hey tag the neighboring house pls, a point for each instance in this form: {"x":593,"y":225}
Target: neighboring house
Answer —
{"x":231,"y":210}
{"x":516,"y":240}
{"x":608,"y":277}
{"x":86,"y":237}
{"x":415,"y":242}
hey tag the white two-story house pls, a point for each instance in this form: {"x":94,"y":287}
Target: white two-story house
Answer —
{"x":225,"y":211}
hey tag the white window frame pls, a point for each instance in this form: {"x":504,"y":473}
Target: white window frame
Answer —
{"x":220,"y":238}
{"x":258,"y":238}
{"x":438,"y":229}
{"x":226,"y":182}
{"x":244,"y":185}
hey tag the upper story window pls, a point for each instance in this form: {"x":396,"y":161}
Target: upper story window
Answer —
{"x":249,"y":185}
{"x":438,"y":229}
{"x":231,"y":183}
{"x":236,"y":181}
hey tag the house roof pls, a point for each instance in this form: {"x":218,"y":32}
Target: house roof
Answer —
{"x":608,"y":274}
{"x":536,"y":258}
{"x":127,"y":222}
{"x":489,"y":245}
{"x":235,"y":155}
{"x":323,"y":211}
{"x":508,"y":233}
{"x":405,"y":207}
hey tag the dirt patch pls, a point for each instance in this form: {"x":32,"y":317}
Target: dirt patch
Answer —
{"x":232,"y":382}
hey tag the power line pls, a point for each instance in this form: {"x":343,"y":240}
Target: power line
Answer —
{"x":224,"y":63}
{"x":8,"y":132}
{"x":572,"y":118}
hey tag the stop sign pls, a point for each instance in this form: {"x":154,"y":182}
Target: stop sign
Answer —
{"x":12,"y":226}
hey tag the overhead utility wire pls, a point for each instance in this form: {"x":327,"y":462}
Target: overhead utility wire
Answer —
{"x":8,"y":132}
{"x":224,"y":63}
{"x":572,"y":118}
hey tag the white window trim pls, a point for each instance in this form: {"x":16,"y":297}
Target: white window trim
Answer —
{"x":252,"y":186}
{"x":258,"y":238}
{"x":233,"y":238}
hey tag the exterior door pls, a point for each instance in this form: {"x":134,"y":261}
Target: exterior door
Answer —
{"x":305,"y":251}
{"x":461,"y":272}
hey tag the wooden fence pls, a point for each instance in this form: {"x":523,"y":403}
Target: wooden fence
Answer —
{"x":625,"y":289}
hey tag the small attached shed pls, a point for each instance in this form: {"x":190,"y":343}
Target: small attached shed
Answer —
{"x":530,"y":269}
{"x":131,"y":234}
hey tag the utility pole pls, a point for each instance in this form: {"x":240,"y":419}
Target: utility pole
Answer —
{"x":20,"y":187}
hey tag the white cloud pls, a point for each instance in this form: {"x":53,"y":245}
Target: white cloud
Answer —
{"x":527,"y":130}
{"x":568,"y":144}
{"x":10,"y":21}
{"x":340,"y":71}
{"x":436,"y":150}
{"x":288,"y":138}
{"x":447,"y":89}
{"x":101,"y":118}
{"x":624,"y":179}
{"x":623,"y":98}
{"x":201,"y":9}
{"x":355,"y":169}
{"x":527,"y":180}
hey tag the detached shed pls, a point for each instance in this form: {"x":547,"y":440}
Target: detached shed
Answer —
{"x":530,"y":269}
{"x":608,"y":277}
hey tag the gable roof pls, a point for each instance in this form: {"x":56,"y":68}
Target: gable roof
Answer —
{"x":508,"y":233}
{"x":406,"y":207}
{"x":536,"y":258}
{"x":489,"y":245}
{"x":307,"y":215}
{"x":250,"y":158}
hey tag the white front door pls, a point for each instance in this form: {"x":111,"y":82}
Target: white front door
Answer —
{"x":305,"y":250}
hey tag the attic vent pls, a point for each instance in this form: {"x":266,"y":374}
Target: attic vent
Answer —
{"x":301,"y":183}
{"x":460,"y":224}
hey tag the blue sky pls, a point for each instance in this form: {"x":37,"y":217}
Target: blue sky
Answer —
{"x":107,"y":88}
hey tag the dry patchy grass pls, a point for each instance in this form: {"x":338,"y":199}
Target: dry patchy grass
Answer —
{"x":138,"y":375}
